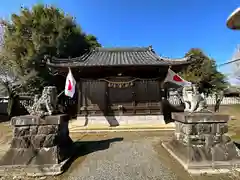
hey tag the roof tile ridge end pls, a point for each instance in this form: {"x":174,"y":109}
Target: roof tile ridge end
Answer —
{"x":55,"y":58}
{"x":95,"y":49}
{"x":150,"y":48}
{"x":85,"y":55}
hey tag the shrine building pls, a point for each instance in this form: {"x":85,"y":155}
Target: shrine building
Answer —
{"x":118,"y":85}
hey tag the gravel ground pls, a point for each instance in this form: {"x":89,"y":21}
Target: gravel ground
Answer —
{"x":123,"y":156}
{"x":126,"y":160}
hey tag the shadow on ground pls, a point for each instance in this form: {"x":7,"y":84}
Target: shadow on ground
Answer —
{"x":83,"y":148}
{"x":4,"y":118}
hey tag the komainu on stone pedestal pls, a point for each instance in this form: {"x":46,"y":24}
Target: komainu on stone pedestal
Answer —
{"x":200,"y":143}
{"x":46,"y":104}
{"x":194,"y":100}
{"x":39,"y":146}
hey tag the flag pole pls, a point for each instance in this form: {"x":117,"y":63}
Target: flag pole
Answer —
{"x":60,"y":94}
{"x":64,"y":89}
{"x":162,"y":84}
{"x":70,"y":84}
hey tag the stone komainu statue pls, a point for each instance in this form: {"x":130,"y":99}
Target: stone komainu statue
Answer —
{"x":46,"y":104}
{"x":193,"y":100}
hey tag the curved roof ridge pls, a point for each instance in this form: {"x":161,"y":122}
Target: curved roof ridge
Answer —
{"x":125,"y":49}
{"x":132,"y":56}
{"x":174,"y":59}
{"x":53,"y":58}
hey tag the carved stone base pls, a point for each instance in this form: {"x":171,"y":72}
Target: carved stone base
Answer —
{"x":39,"y":146}
{"x":200,"y":145}
{"x":33,"y":170}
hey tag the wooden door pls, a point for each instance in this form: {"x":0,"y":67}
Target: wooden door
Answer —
{"x":93,"y":101}
{"x":148,"y":97}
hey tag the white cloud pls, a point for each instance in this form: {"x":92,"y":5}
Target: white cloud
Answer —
{"x":234,"y":81}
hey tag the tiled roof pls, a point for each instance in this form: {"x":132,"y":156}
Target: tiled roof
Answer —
{"x":117,"y":57}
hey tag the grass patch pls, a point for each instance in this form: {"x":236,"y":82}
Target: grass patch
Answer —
{"x":234,"y":124}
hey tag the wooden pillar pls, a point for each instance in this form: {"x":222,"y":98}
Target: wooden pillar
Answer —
{"x":79,"y":87}
{"x":163,"y":87}
{"x":165,"y":104}
{"x":160,"y":87}
{"x":106,"y":98}
{"x":134,"y":98}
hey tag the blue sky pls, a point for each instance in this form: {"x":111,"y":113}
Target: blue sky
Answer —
{"x":172,"y":27}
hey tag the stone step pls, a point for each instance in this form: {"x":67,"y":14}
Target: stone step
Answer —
{"x":102,"y":128}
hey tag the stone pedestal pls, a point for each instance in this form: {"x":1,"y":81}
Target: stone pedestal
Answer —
{"x":200,"y":143}
{"x":38,"y":147}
